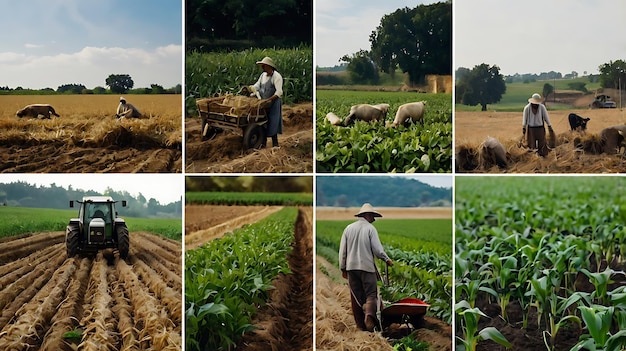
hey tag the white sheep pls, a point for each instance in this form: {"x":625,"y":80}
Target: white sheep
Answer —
{"x":333,"y":118}
{"x":367,"y":113}
{"x":410,"y":112}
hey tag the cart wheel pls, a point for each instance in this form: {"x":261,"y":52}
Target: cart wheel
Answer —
{"x":253,"y":136}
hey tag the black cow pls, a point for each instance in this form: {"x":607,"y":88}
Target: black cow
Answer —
{"x":576,"y":121}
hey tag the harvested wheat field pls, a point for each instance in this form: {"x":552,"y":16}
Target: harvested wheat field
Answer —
{"x":572,"y":152}
{"x":225,"y":153}
{"x":98,"y":302}
{"x":88,"y":138}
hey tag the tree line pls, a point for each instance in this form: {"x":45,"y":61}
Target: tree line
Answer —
{"x":380,"y":192}
{"x":265,"y":184}
{"x":23,"y":194}
{"x":484,"y":84}
{"x":116,"y":83}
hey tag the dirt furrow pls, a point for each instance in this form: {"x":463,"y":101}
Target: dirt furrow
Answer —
{"x":147,"y":244}
{"x":286,"y":322}
{"x":16,"y":269}
{"x":19,"y":248}
{"x":165,"y":243}
{"x":124,"y":314}
{"x":170,"y":272}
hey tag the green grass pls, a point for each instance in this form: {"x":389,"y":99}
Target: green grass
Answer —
{"x":20,"y":220}
{"x":248,"y":199}
{"x":517,"y":94}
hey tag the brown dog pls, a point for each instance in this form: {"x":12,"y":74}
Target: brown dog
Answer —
{"x":35,"y":110}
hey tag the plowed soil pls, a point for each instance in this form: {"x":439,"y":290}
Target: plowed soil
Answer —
{"x":225,"y":153}
{"x":105,"y":302}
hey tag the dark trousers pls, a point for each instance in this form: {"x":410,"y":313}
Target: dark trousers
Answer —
{"x":364,"y":291}
{"x":536,"y":138}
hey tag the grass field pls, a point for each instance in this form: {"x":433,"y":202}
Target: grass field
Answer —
{"x":21,"y":220}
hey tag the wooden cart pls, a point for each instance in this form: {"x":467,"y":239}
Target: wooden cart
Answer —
{"x":218,"y":114}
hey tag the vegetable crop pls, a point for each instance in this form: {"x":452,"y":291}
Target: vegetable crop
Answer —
{"x":227,"y":279}
{"x":537,"y":242}
{"x":372,"y":147}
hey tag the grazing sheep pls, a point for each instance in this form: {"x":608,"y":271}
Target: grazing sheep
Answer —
{"x":35,"y":110}
{"x":367,"y":113}
{"x":410,"y":112}
{"x":333,"y":118}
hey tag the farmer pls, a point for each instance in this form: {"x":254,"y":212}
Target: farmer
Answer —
{"x":359,"y":247}
{"x":126,"y":110}
{"x":270,"y":88}
{"x":535,"y":114}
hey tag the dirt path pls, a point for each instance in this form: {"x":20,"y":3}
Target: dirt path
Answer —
{"x":105,"y":302}
{"x":225,"y":153}
{"x":205,"y":222}
{"x":286,"y":322}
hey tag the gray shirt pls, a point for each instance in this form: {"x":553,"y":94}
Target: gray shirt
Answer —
{"x":359,"y":245}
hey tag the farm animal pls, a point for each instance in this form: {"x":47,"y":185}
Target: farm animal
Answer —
{"x":410,"y":113}
{"x":367,"y":113}
{"x":492,"y":152}
{"x":613,"y":138}
{"x":333,"y":119}
{"x":35,"y":110}
{"x":576,"y":121}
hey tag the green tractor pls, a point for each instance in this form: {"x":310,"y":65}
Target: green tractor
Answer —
{"x":97,"y":227}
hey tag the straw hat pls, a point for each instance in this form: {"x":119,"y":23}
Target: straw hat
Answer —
{"x":535,"y":99}
{"x":122,"y":99}
{"x":267,"y":61}
{"x":367,"y":208}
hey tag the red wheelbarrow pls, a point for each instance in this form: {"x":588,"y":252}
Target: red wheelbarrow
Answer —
{"x":404,"y":311}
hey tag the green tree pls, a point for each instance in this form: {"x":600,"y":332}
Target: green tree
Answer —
{"x":71,"y":88}
{"x":483,"y":85}
{"x":547,"y":90}
{"x":612,"y":73}
{"x":119,"y":83}
{"x":418,"y":41}
{"x":156,"y":89}
{"x":361,"y":68}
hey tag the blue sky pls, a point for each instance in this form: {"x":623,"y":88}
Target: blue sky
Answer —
{"x":535,"y":36}
{"x":47,"y":43}
{"x":344,"y":27}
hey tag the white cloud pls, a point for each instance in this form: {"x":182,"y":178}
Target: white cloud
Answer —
{"x":92,"y":65}
{"x":33,"y":46}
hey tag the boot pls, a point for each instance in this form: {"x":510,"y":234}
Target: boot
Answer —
{"x":275,"y":141}
{"x":370,"y":314}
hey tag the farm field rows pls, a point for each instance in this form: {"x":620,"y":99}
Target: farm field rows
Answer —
{"x":369,"y":147}
{"x":422,"y":269}
{"x":97,"y":302}
{"x":539,"y":263}
{"x":88,"y":138}
{"x":264,"y":301}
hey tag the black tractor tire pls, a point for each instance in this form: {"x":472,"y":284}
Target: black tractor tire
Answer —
{"x":72,"y":240}
{"x":253,"y":136}
{"x":123,"y":241}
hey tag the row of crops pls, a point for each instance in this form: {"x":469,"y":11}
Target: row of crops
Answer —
{"x":211,"y":74}
{"x":422,"y":261}
{"x":371,"y":147}
{"x":248,"y":199}
{"x":227,"y":279}
{"x":548,"y":251}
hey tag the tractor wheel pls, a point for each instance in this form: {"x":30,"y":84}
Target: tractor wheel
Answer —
{"x":123,"y":241}
{"x":253,"y":136}
{"x":72,"y":240}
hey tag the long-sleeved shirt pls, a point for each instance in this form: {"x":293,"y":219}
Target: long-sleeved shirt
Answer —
{"x":359,"y":244}
{"x":127,"y":110}
{"x":535,"y":119}
{"x":275,"y":80}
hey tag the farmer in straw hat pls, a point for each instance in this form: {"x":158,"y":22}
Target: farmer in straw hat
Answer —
{"x":359,"y":247}
{"x":535,"y":114}
{"x":270,"y":88}
{"x":126,"y":110}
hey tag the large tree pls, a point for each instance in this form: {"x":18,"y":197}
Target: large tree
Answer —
{"x":361,"y":68}
{"x":418,"y":41}
{"x":612,"y":73}
{"x":119,"y":83}
{"x":483,"y":85}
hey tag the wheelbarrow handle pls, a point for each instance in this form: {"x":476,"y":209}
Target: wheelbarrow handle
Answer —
{"x":386,"y":279}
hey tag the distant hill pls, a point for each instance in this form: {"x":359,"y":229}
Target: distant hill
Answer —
{"x":382,"y":191}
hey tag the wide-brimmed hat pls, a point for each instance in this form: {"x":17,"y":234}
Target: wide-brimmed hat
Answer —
{"x":535,"y":99}
{"x":367,"y":208}
{"x":267,"y":61}
{"x":122,"y":98}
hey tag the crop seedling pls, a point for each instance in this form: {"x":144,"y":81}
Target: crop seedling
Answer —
{"x":469,"y":326}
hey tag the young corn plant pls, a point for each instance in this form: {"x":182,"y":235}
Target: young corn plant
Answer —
{"x":598,"y":320}
{"x":469,"y":318}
